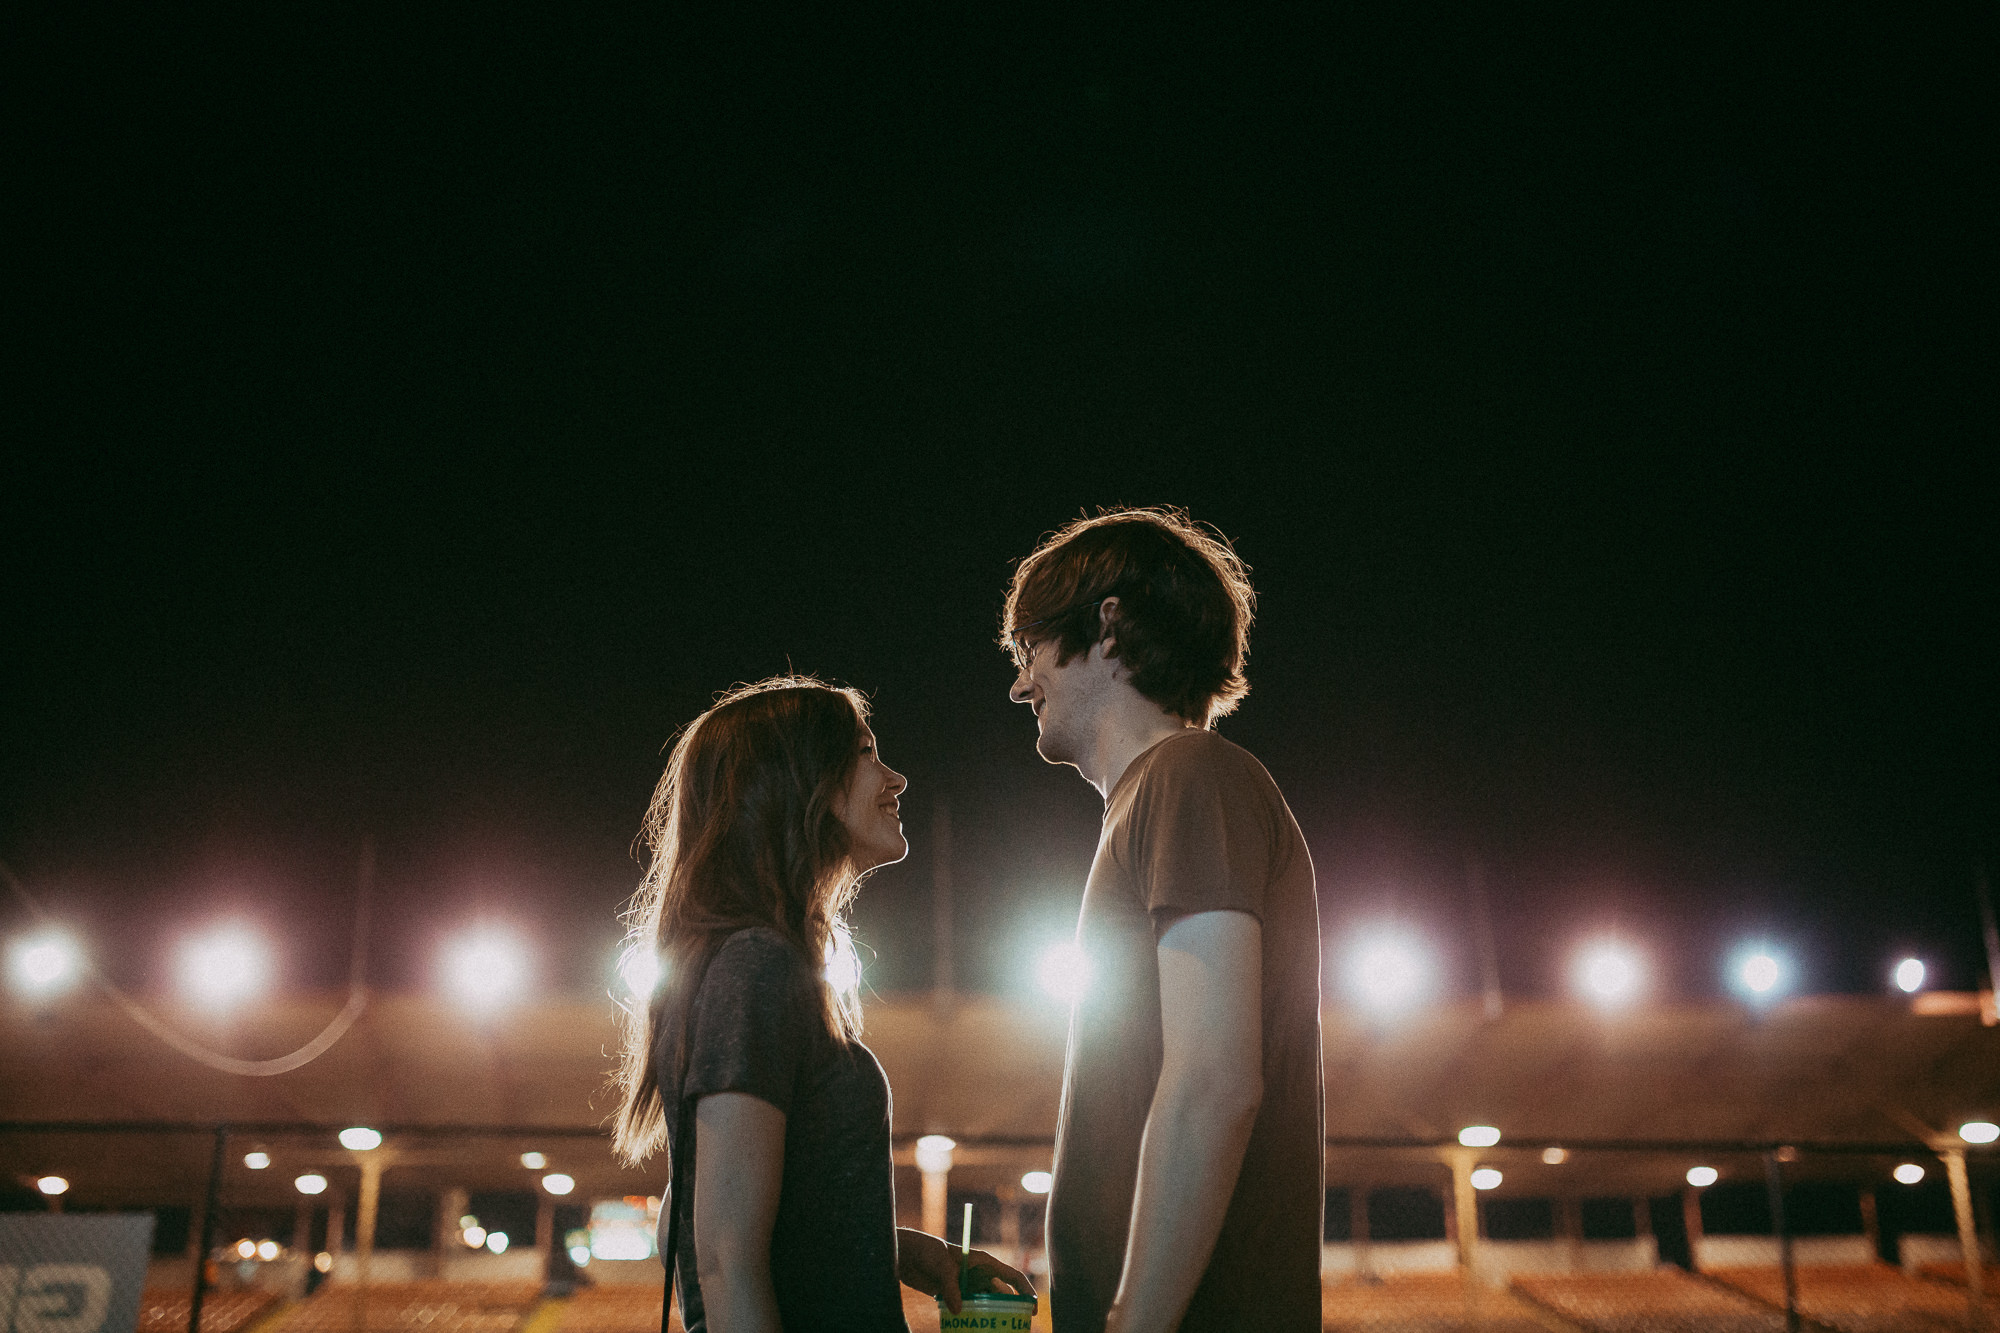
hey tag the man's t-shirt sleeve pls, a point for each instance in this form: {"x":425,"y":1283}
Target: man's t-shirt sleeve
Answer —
{"x":751,"y":1021}
{"x":1202,"y":836}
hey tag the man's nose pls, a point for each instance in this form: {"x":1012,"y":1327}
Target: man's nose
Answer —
{"x":1020,"y":690}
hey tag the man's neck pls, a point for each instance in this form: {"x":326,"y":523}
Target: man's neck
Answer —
{"x":1128,"y":729}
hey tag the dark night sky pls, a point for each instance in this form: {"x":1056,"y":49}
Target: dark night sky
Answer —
{"x":413,"y":427}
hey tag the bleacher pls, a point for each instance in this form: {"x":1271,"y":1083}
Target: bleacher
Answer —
{"x":1423,"y":1303}
{"x":1872,"y":1298}
{"x":405,"y":1307}
{"x":613,"y":1309}
{"x":1664,"y":1300}
{"x":166,"y":1311}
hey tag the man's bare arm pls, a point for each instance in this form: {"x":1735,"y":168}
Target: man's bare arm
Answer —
{"x":739,"y":1164}
{"x":1211,"y":1085}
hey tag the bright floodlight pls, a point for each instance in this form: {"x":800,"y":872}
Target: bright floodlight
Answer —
{"x":1909,"y":1173}
{"x":1759,"y":973}
{"x":1388,"y":971}
{"x":1486,"y":1178}
{"x":474,"y":1236}
{"x":44,"y":964}
{"x":534,"y":1161}
{"x":496,"y":1241}
{"x":246,"y":1248}
{"x":1479,"y":1136}
{"x":843,"y":965}
{"x":256,"y":1161}
{"x":640,"y":968}
{"x":1555,"y":1156}
{"x":310,"y":1183}
{"x":1038,"y":1182}
{"x":934,"y":1153}
{"x":360,"y":1139}
{"x":267,"y":1250}
{"x":1064,"y":971}
{"x":555,"y":1182}
{"x":1979,"y":1131}
{"x":225,"y":967}
{"x":1910,"y":975}
{"x":1701,"y":1177}
{"x":1610,"y":972}
{"x":485,"y":969}
{"x":580,"y":1255}
{"x":52,"y":1185}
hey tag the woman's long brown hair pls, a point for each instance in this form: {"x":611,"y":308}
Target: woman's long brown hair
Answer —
{"x":743,"y":831}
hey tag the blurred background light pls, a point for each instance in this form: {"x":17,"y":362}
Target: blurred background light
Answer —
{"x":1609,"y":972}
{"x":1479,"y":1136}
{"x":1486,"y":1178}
{"x":1910,"y":975}
{"x":1388,"y":971}
{"x":580,"y":1255}
{"x":1979,"y":1131}
{"x":843,"y":964}
{"x":534,"y":1161}
{"x":267,"y":1250}
{"x":1555,"y":1156}
{"x":934,"y":1152}
{"x":1701,"y":1177}
{"x":359,"y":1138}
{"x":474,"y":1236}
{"x":52,"y":1185}
{"x":1758,"y":973}
{"x":44,"y":965}
{"x":310,"y":1183}
{"x":555,"y":1182}
{"x":485,"y":969}
{"x":1909,"y":1173}
{"x":1038,"y":1182}
{"x":225,"y":967}
{"x":1064,"y":971}
{"x":496,"y":1242}
{"x":639,"y":966}
{"x":323,"y":1262}
{"x":246,"y":1248}
{"x":256,"y":1161}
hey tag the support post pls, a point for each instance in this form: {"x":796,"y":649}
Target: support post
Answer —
{"x":1691,"y":1222}
{"x":1010,"y":1226}
{"x":336,"y":1222}
{"x":364,"y":1231}
{"x":1774,"y":1181}
{"x":1968,"y":1233}
{"x":1569,"y":1224}
{"x":451,"y":1206}
{"x":207,"y":1227}
{"x":1871,"y":1223}
{"x":1465,"y":1209}
{"x":1357,"y":1221}
{"x":302,"y":1228}
{"x":545,"y":1224}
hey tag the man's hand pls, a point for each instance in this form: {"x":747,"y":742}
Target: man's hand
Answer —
{"x":931,"y":1266}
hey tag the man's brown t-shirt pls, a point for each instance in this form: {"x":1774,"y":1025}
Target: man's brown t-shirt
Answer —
{"x":1194,"y":825}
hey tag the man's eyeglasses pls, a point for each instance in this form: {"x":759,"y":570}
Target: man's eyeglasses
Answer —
{"x":1021,"y":649}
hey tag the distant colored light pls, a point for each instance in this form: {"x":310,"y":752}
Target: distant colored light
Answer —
{"x":934,"y":1153}
{"x":323,"y":1262}
{"x":267,"y":1250}
{"x":1610,"y":973}
{"x":1555,"y":1156}
{"x":467,"y":1220}
{"x":1038,"y":1182}
{"x":310,"y":1183}
{"x":1910,"y":975}
{"x":1064,"y":971}
{"x":1979,"y":1131}
{"x":1479,"y":1136}
{"x":1388,"y":971}
{"x":1909,"y":1173}
{"x":486,"y":969}
{"x":224,"y":968}
{"x":1759,"y":973}
{"x":639,"y":967}
{"x":1486,"y":1178}
{"x":555,"y":1182}
{"x":256,"y":1161}
{"x":1701,"y":1177}
{"x":52,"y":1185}
{"x":359,"y":1138}
{"x":580,"y":1255}
{"x":246,"y":1248}
{"x":474,"y":1236}
{"x":496,"y":1242}
{"x":843,"y":964}
{"x":534,"y":1161}
{"x":44,"y":965}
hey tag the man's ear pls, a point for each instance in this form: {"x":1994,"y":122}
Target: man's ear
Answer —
{"x":1107,"y":626}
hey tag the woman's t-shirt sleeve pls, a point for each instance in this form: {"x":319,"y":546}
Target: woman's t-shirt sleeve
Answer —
{"x":751,"y":1028}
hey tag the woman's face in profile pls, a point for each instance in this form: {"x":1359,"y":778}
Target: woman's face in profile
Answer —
{"x":871,"y":811}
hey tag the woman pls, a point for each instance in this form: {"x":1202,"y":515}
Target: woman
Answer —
{"x":773,"y":807}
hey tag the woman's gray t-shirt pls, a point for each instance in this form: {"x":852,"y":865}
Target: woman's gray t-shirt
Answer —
{"x":757,"y":1028}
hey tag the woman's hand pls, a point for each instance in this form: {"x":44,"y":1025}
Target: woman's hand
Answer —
{"x":931,"y":1266}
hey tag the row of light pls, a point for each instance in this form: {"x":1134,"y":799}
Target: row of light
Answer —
{"x":486,"y":968}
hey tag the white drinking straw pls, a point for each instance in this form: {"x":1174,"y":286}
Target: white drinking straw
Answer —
{"x":967,"y":1246}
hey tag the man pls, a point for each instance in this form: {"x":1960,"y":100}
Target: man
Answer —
{"x":1189,"y":1171}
